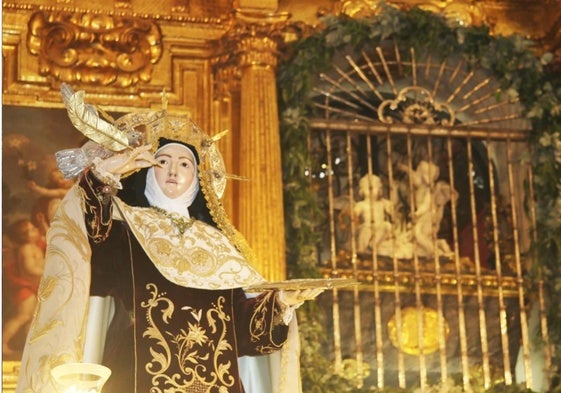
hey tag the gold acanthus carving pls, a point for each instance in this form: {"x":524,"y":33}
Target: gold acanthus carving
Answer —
{"x":246,"y":44}
{"x":94,"y":48}
{"x":253,"y":40}
{"x":258,"y":50}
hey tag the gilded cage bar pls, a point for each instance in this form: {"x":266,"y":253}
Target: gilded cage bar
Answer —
{"x":457,"y":305}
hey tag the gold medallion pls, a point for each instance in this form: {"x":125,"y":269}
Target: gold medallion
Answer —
{"x":407,"y":336}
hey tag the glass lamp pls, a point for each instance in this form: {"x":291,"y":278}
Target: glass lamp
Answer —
{"x":80,"y":377}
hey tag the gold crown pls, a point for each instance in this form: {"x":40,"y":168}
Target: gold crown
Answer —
{"x":148,"y":127}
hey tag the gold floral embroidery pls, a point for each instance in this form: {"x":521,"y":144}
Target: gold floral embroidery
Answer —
{"x":260,"y":323}
{"x":57,"y":337}
{"x":191,"y":348}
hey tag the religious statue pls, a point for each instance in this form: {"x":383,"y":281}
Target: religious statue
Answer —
{"x":373,"y":212}
{"x":430,"y":197}
{"x":143,"y":230}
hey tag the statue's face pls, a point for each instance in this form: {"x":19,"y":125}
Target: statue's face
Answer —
{"x":176,"y":171}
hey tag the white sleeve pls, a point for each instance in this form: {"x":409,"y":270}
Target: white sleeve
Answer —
{"x":100,"y":314}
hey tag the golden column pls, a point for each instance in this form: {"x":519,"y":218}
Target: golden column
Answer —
{"x":259,"y":202}
{"x":226,"y":96}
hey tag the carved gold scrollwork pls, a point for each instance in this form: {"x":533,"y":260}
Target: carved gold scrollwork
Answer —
{"x":415,"y":105}
{"x":258,"y":50}
{"x":247,"y":44}
{"x":94,"y":48}
{"x":359,"y":8}
{"x":464,"y":12}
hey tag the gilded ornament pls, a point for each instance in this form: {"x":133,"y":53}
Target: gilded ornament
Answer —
{"x":179,"y":222}
{"x":416,"y":105}
{"x":258,"y":51}
{"x":457,"y":12}
{"x":94,"y":48}
{"x":10,"y":371}
{"x":253,"y":40}
{"x":406,"y":335}
{"x":360,"y":8}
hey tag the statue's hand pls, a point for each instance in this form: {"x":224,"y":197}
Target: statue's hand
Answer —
{"x":295,"y":298}
{"x":129,"y":160}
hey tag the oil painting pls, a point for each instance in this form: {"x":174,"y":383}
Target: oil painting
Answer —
{"x":32,"y":187}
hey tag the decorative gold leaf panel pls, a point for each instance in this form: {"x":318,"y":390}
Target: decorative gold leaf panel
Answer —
{"x":121,"y":59}
{"x":179,"y":9}
{"x":191,"y":89}
{"x":94,"y":48}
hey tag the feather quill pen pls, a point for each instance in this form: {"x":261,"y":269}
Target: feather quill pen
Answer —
{"x":86,"y":120}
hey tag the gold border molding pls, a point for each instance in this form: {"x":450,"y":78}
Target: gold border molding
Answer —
{"x":10,"y":372}
{"x":94,"y":48}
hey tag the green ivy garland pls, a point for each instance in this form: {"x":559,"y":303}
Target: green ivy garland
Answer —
{"x":520,"y":73}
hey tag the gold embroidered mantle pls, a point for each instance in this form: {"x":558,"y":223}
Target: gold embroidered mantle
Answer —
{"x":202,"y":257}
{"x":57,"y":336}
